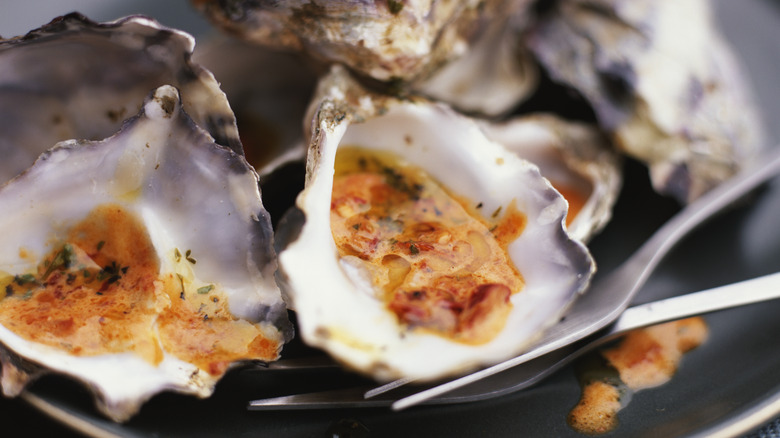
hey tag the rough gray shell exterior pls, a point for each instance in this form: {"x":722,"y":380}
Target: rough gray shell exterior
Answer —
{"x":74,"y":78}
{"x":661,"y":81}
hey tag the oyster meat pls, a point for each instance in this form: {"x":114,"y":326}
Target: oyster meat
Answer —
{"x":137,"y":264}
{"x":425,"y":249}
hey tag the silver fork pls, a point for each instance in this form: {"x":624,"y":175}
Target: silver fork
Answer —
{"x":534,"y":371}
{"x":609,"y":296}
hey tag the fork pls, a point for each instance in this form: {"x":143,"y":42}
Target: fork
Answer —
{"x":609,"y":296}
{"x":517,"y":378}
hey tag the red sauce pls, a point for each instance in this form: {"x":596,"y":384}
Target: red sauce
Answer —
{"x":100,"y":292}
{"x":440,"y":268}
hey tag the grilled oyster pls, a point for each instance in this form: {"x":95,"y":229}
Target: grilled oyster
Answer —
{"x":433,"y":250}
{"x":137,"y":264}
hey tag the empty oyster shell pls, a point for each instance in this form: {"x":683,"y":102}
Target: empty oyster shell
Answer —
{"x":137,"y":264}
{"x":661,"y":80}
{"x":74,"y":78}
{"x":356,"y":273}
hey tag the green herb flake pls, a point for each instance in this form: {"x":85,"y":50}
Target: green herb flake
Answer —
{"x":497,"y":212}
{"x":205,"y":289}
{"x":100,"y":245}
{"x":188,"y":256}
{"x":413,"y":249}
{"x":395,"y":6}
{"x":356,"y":227}
{"x":176,"y":255}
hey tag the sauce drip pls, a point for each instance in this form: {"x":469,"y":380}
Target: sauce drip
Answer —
{"x":100,"y":292}
{"x":439,"y":268}
{"x":643,"y":358}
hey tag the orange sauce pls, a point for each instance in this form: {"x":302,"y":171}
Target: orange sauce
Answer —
{"x":100,"y":292}
{"x":643,"y":359}
{"x":440,"y":268}
{"x":574,"y":197}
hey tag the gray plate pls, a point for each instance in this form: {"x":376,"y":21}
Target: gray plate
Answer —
{"x":730,"y":385}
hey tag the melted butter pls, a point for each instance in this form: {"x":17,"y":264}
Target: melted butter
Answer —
{"x":643,"y":359}
{"x":101,"y":292}
{"x":439,"y":268}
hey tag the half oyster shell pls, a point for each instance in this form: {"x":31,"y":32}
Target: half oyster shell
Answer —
{"x":137,"y":264}
{"x":74,"y":78}
{"x":340,"y":290}
{"x":662,"y":82}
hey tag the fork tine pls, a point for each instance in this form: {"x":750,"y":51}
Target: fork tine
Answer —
{"x":333,"y":399}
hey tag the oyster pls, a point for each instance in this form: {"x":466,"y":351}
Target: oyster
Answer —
{"x":433,"y":250}
{"x":662,"y":82}
{"x":380,"y":39}
{"x":137,"y":264}
{"x":576,"y":157}
{"x":74,"y":78}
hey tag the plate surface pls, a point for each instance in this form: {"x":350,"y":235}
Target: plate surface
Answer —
{"x":730,"y":384}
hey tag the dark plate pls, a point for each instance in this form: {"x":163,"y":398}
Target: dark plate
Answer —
{"x":730,"y":385}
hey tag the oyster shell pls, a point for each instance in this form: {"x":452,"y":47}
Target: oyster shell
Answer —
{"x":578,"y":160}
{"x":341,"y":302}
{"x":495,"y":73}
{"x":662,"y":82}
{"x":74,"y":78}
{"x":138,"y":264}
{"x":380,"y":39}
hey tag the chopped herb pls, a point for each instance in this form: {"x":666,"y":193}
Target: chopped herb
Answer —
{"x":215,"y":299}
{"x":71,"y":278}
{"x":98,"y":293}
{"x":100,"y":245}
{"x":479,"y":205}
{"x":24,"y":279}
{"x":27,"y":295}
{"x":356,"y":226}
{"x":497,"y":212}
{"x":176,"y":255}
{"x":63,"y":259}
{"x":188,"y":256}
{"x":205,"y":289}
{"x":205,"y":317}
{"x":85,"y":273}
{"x":124,"y":269}
{"x":9,"y":290}
{"x":395,"y":6}
{"x":493,"y":228}
{"x":413,"y":249}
